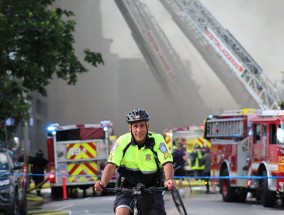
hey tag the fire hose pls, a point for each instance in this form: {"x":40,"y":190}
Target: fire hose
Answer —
{"x":49,"y":212}
{"x":33,"y":199}
{"x":39,"y":185}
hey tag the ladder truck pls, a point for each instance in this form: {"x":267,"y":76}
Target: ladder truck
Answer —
{"x":172,"y":74}
{"x":247,"y":148}
{"x":224,"y":54}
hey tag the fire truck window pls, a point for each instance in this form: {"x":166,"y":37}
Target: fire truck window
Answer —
{"x":65,"y":135}
{"x":256,"y":133}
{"x":263,"y":132}
{"x":272,"y":134}
{"x":280,"y":134}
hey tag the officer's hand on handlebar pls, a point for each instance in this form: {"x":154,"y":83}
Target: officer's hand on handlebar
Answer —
{"x":170,"y":184}
{"x":99,"y":186}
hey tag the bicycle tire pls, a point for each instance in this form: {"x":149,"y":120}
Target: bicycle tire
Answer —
{"x":178,"y":202}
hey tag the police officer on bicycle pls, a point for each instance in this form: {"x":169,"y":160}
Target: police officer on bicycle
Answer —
{"x":140,"y":156}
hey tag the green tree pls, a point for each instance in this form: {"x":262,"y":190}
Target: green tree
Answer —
{"x":36,"y":45}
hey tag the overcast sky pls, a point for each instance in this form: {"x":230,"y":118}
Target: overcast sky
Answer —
{"x":256,"y":24}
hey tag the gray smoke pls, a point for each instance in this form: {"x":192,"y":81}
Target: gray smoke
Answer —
{"x":126,"y":82}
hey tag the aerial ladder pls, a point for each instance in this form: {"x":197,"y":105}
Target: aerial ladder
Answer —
{"x":223,"y":52}
{"x":172,"y":73}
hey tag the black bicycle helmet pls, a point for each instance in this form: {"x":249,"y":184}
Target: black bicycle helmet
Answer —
{"x":137,"y":115}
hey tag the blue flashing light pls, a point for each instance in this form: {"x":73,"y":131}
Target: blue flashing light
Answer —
{"x":250,"y":132}
{"x":210,"y":116}
{"x":52,"y":127}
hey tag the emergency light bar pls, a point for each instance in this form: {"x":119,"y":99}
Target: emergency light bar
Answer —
{"x":52,"y":127}
{"x":272,"y":113}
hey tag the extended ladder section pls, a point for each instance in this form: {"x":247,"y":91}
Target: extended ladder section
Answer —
{"x":271,"y":113}
{"x":163,"y":60}
{"x":205,"y":33}
{"x":151,"y":40}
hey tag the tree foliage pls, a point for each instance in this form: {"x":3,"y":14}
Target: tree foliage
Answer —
{"x":36,"y":44}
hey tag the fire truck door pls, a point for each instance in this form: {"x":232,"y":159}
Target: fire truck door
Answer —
{"x":272,"y":145}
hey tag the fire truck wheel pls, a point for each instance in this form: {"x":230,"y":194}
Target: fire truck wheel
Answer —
{"x":267,"y":196}
{"x":228,"y":192}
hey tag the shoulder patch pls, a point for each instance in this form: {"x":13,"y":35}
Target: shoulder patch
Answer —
{"x":163,"y":148}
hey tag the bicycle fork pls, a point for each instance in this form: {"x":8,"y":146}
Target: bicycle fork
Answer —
{"x":136,"y":194}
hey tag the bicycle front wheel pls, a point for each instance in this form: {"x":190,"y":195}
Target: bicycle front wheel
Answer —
{"x":178,"y":202}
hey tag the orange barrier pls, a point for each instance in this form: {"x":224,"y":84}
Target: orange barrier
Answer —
{"x":64,"y":183}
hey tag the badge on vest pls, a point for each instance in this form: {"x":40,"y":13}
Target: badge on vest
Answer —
{"x":148,"y":157}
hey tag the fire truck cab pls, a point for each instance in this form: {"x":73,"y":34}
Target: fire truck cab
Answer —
{"x":77,"y":153}
{"x":248,"y":154}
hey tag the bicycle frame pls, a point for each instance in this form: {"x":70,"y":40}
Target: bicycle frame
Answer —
{"x":136,"y":192}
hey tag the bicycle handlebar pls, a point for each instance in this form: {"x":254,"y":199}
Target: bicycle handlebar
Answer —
{"x":137,"y":190}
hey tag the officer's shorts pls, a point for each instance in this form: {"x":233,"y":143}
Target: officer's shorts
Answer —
{"x":152,"y":203}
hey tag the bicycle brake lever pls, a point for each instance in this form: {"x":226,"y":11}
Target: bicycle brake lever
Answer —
{"x":140,"y":186}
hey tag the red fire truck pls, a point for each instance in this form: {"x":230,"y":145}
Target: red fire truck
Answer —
{"x":248,"y":154}
{"x":77,"y":153}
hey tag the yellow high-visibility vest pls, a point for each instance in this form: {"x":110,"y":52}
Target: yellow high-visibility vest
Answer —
{"x":198,"y":163}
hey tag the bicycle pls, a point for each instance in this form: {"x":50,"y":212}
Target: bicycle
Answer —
{"x":178,"y":202}
{"x":137,"y":204}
